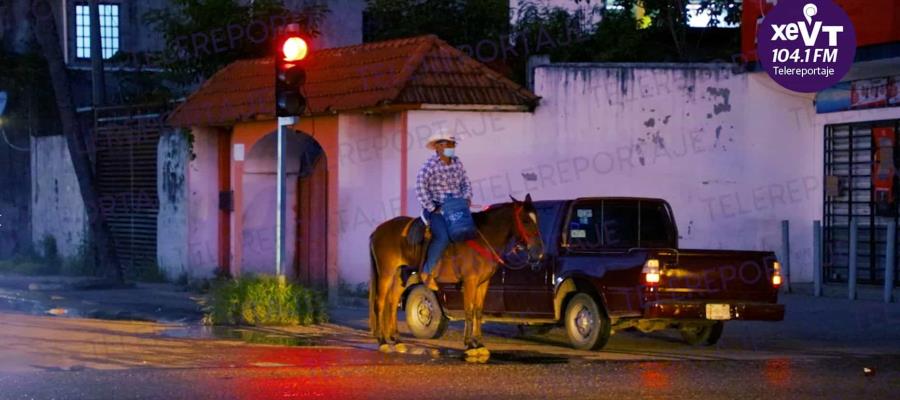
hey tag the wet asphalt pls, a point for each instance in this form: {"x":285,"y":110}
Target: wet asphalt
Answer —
{"x":825,"y":349}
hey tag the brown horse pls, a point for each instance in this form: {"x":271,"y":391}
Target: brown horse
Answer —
{"x":389,"y":251}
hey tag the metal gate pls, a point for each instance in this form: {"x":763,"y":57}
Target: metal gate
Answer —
{"x":849,"y":193}
{"x":125,"y":141}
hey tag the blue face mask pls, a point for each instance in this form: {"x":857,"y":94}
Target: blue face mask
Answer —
{"x":449,"y":152}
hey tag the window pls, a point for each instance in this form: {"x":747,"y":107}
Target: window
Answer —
{"x":109,"y":30}
{"x":584,"y":226}
{"x":656,"y":229}
{"x":620,"y":224}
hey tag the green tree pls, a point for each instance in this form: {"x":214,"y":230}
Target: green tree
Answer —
{"x":202,"y":36}
{"x":620,"y":35}
{"x":668,"y":25}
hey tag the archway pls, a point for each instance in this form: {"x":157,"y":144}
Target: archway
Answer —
{"x":306,"y":183}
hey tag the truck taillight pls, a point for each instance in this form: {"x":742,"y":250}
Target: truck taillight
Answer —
{"x":776,"y":275}
{"x":651,"y":272}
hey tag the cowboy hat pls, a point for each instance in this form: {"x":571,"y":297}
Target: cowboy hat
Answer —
{"x":441,"y":134}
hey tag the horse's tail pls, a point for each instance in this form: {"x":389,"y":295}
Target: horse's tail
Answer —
{"x":373,"y":288}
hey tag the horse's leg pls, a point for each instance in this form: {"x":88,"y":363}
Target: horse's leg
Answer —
{"x":470,"y":289}
{"x":480,"y":294}
{"x":384,"y":285}
{"x":393,"y":303}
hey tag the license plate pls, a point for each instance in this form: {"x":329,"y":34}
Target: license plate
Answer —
{"x":718,"y":311}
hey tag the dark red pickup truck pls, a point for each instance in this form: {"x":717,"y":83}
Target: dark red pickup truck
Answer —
{"x":611,"y":264}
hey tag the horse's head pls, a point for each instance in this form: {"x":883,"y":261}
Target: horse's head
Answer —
{"x":527,"y":236}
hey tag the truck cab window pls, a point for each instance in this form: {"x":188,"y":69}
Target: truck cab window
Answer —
{"x":655,"y":225}
{"x":620,"y":224}
{"x":584,"y":227}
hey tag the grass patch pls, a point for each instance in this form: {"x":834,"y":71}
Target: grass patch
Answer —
{"x":263,"y":300}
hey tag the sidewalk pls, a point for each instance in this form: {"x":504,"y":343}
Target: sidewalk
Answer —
{"x":85,"y":297}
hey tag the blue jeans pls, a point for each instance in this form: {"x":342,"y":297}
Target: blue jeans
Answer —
{"x":440,"y":239}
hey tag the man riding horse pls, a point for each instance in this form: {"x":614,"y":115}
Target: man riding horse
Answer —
{"x":441,"y":177}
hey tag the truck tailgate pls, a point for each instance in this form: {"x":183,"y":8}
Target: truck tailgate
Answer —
{"x":717,"y":275}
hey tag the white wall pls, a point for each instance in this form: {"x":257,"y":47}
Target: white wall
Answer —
{"x":172,"y":220}
{"x":369,"y":187}
{"x":494,"y":147}
{"x":258,"y":254}
{"x":57,"y":209}
{"x":735,"y":154}
{"x":203,"y":207}
{"x":720,"y":147}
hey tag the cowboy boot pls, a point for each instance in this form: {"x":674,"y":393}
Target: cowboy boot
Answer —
{"x":428,"y":280}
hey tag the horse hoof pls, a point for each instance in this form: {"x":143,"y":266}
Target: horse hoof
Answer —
{"x":479,"y":359}
{"x":474,"y":352}
{"x":385,"y":348}
{"x":401,"y":348}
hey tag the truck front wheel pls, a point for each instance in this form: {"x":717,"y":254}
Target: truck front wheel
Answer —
{"x":424,"y":316}
{"x":706,"y":334}
{"x":586,"y":323}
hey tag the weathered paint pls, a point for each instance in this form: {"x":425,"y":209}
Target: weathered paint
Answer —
{"x":172,"y":243}
{"x":57,"y":207}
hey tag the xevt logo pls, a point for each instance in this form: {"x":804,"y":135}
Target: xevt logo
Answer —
{"x":806,"y":45}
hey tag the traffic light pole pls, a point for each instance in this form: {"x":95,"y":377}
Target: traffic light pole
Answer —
{"x":281,"y":205}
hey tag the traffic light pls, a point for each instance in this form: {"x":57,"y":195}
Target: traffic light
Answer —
{"x":289,"y":73}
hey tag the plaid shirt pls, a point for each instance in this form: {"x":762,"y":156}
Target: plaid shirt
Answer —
{"x":437,"y":180}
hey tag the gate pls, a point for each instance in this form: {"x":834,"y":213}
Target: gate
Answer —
{"x":125,"y":141}
{"x":850,"y":193}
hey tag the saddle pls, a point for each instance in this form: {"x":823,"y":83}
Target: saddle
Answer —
{"x":418,"y":235}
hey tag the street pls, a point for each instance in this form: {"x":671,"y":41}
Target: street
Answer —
{"x":819,"y":351}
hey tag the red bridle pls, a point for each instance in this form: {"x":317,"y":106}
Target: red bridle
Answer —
{"x":520,"y":226}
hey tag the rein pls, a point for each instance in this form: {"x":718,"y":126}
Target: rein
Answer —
{"x":487,"y":251}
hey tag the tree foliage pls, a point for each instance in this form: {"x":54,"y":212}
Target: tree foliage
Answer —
{"x":202,"y":36}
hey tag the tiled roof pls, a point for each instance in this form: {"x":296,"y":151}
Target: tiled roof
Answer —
{"x":411,"y":71}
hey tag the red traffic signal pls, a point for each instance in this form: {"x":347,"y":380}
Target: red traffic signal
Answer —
{"x":294,"y":49}
{"x":289,"y":72}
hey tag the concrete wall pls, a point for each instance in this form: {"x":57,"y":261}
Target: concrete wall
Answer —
{"x":260,"y":203}
{"x":723,"y":149}
{"x":369,"y":191}
{"x":203,"y":204}
{"x":718,"y":146}
{"x":57,"y":208}
{"x":172,"y":220}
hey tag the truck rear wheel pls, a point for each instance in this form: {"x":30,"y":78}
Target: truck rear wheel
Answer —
{"x":586,"y":323}
{"x":705,"y":334}
{"x":424,"y":316}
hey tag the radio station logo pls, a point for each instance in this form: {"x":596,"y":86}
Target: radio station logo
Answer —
{"x":807,"y":45}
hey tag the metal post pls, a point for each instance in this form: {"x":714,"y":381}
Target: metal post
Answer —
{"x":280,"y":202}
{"x":786,"y":255}
{"x":851,"y":278}
{"x":817,"y":258}
{"x":889,"y":261}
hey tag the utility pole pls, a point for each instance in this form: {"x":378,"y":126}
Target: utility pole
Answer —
{"x":289,"y":105}
{"x":98,"y":83}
